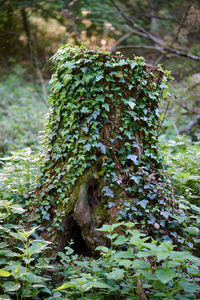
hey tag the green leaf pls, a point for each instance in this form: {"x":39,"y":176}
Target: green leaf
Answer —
{"x":38,"y":246}
{"x":188,"y":286}
{"x":102,"y":249}
{"x":121,"y":240}
{"x":88,"y":78}
{"x":116,"y":274}
{"x":136,"y":179}
{"x":66,"y":286}
{"x":4,"y":273}
{"x":123,"y":254}
{"x":112,"y":236}
{"x":109,"y":228}
{"x":18,"y":236}
{"x":165,"y":275}
{"x":126,"y":263}
{"x":11,"y":286}
{"x":108,"y":192}
{"x":132,"y":157}
{"x":133,"y":64}
{"x":132,"y":104}
{"x":143,"y":203}
{"x":140,"y":264}
{"x":102,"y":147}
{"x":16,"y":209}
{"x":106,"y":106}
{"x":193,"y":230}
{"x":100,"y":98}
{"x":98,"y":285}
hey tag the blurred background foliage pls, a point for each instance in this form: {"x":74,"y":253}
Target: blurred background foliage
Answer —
{"x":165,"y":32}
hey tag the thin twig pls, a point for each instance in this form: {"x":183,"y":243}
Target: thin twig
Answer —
{"x":137,"y":46}
{"x":182,"y":23}
{"x":121,"y":39}
{"x":186,"y":107}
{"x":154,"y":39}
{"x":191,"y":125}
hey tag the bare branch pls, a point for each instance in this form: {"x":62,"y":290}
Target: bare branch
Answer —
{"x":137,"y":47}
{"x":182,"y":22}
{"x":121,"y":39}
{"x":132,"y":23}
{"x":180,"y":53}
{"x":192,"y":124}
{"x":186,"y":107}
{"x":143,"y":32}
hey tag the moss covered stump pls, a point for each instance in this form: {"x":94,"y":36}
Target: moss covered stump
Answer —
{"x":100,"y":158}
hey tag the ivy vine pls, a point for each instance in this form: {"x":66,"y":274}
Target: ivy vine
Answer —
{"x":104,"y":112}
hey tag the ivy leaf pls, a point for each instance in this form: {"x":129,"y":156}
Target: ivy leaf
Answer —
{"x":85,"y":109}
{"x":85,"y":129}
{"x":106,"y":106}
{"x":100,"y":98}
{"x":136,"y":179}
{"x":132,"y":157}
{"x":88,"y":147}
{"x":107,"y":192}
{"x":131,"y":103}
{"x":165,"y":214}
{"x":58,"y":85}
{"x":133,"y":64}
{"x":102,"y":147}
{"x":98,"y":78}
{"x":95,"y":114}
{"x":67,"y":78}
{"x":143,"y":203}
{"x":110,"y":204}
{"x":193,"y":230}
{"x":87,"y":78}
{"x":122,"y":62}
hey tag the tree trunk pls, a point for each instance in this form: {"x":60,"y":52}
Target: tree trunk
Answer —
{"x":100,"y":158}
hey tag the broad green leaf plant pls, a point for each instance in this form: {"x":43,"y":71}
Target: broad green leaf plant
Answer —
{"x":163,"y":272}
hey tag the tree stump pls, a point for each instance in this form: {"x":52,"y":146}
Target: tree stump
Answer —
{"x":100,"y":157}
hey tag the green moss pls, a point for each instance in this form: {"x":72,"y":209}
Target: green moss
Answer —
{"x":99,"y":214}
{"x":69,"y":207}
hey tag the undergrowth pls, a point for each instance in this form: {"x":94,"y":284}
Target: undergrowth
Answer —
{"x":135,"y":264}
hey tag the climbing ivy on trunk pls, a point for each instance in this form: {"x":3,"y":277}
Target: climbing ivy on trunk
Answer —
{"x":104,"y":119}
